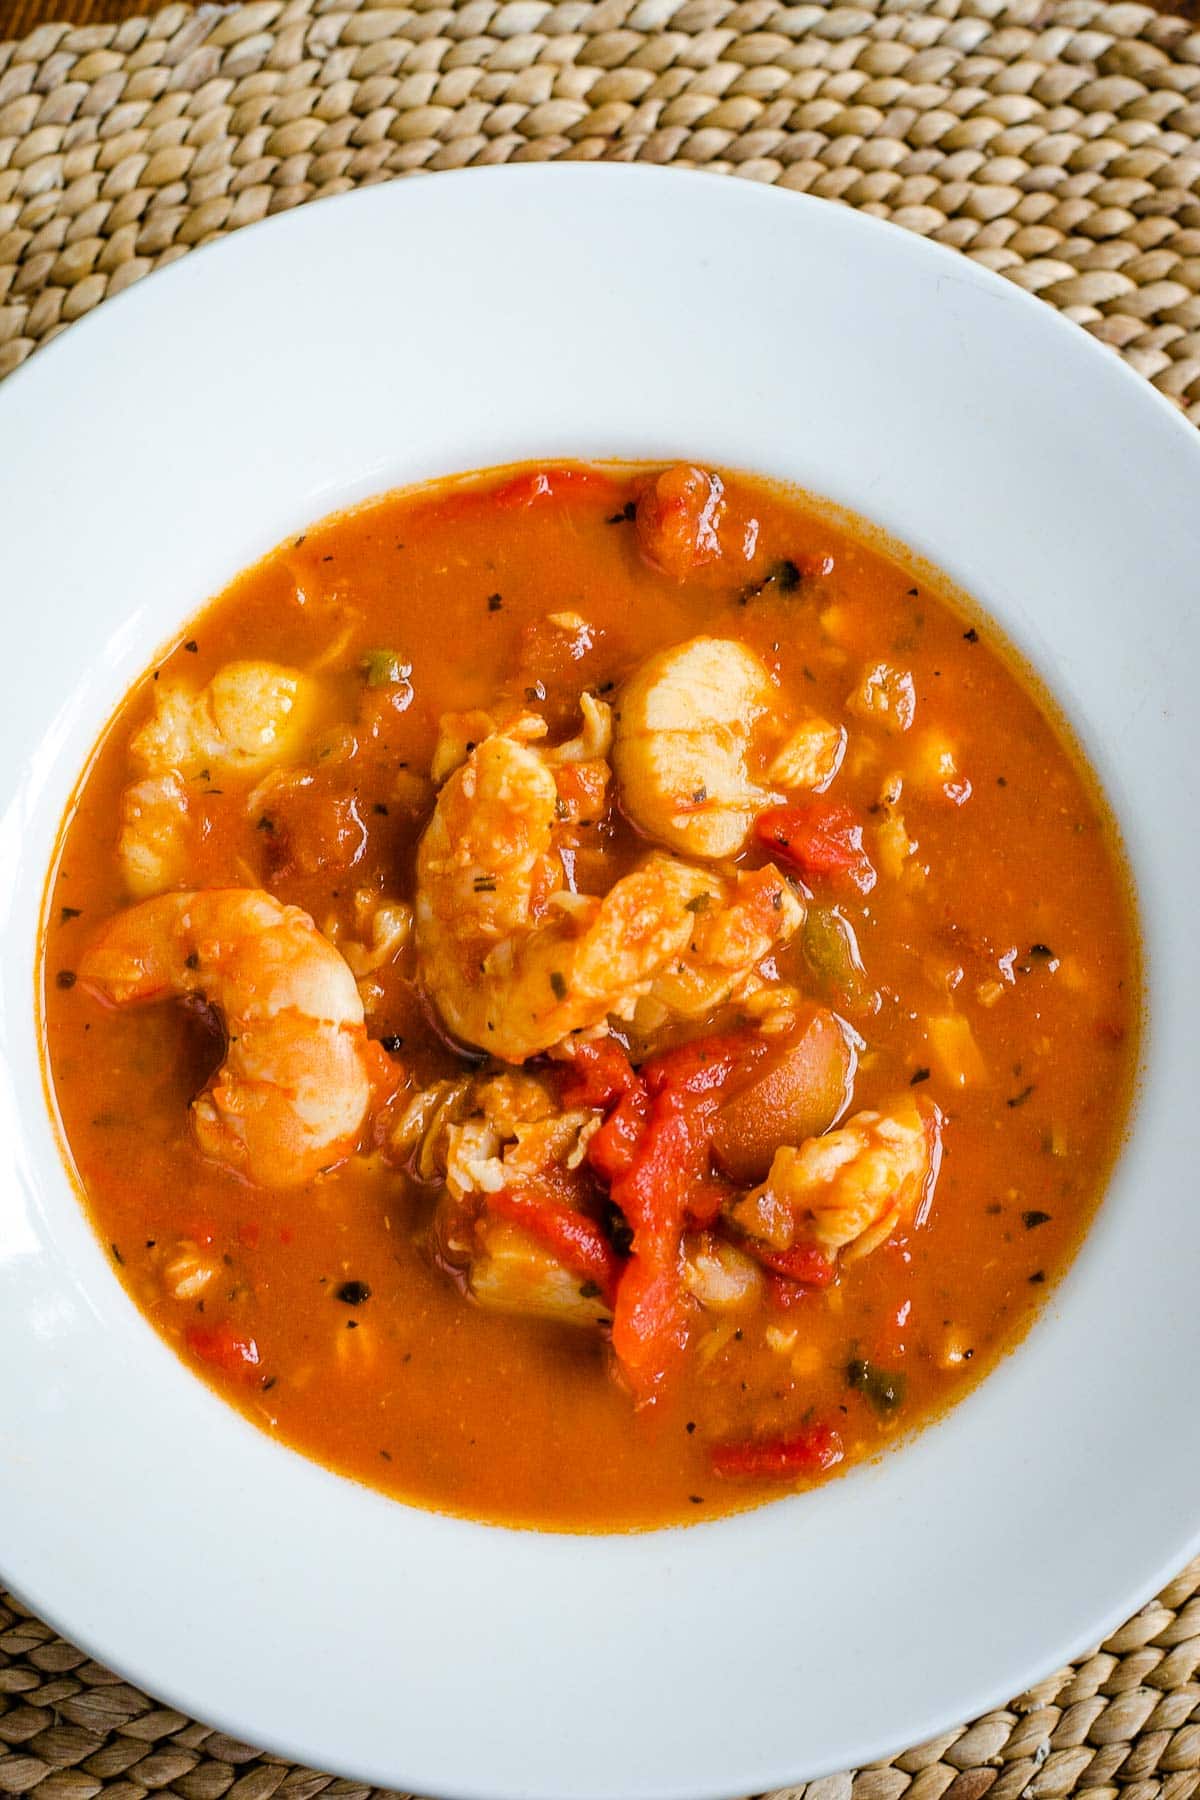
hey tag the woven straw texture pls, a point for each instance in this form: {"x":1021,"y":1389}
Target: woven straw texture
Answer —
{"x":1057,"y":141}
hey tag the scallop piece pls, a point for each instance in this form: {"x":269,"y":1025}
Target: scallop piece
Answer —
{"x":682,"y":742}
{"x":250,"y":714}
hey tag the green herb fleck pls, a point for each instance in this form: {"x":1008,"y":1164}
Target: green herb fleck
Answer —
{"x":699,"y":904}
{"x":384,"y":668}
{"x":485,"y":884}
{"x":883,"y":1390}
{"x":1021,"y":1098}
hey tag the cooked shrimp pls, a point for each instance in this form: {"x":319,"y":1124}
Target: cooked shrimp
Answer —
{"x":292,"y":1092}
{"x":735,"y":925}
{"x":849,"y":1190}
{"x":513,"y":961}
{"x":683,"y":740}
{"x":250,"y":712}
{"x":516,"y":963}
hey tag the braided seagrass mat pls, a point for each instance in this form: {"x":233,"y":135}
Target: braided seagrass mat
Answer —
{"x":1057,"y":141}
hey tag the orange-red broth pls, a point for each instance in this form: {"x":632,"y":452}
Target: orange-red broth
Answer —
{"x":421,"y":1393}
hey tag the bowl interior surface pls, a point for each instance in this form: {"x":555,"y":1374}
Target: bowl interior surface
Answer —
{"x":409,"y":331}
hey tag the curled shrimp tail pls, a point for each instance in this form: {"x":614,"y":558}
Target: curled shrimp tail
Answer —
{"x":292,"y":1092}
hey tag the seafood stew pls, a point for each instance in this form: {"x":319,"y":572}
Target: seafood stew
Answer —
{"x":589,"y":996}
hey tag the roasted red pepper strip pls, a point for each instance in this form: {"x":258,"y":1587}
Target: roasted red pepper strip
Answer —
{"x":224,"y":1347}
{"x":653,"y":1149}
{"x":809,"y":1452}
{"x":599,"y":1073}
{"x":650,"y":1322}
{"x":821,"y":838}
{"x":572,"y":1237}
{"x":614,"y":1147}
{"x":547,"y":484}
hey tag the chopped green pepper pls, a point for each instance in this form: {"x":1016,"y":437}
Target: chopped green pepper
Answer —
{"x":383,"y":668}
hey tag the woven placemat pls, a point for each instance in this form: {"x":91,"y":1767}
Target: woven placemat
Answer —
{"x":1057,"y":141}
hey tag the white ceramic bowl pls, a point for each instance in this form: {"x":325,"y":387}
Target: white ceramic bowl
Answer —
{"x":412,"y":330}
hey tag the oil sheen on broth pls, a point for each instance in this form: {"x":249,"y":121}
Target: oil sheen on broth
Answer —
{"x":707,"y":1027}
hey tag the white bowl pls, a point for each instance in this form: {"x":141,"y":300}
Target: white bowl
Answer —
{"x":406,"y":331}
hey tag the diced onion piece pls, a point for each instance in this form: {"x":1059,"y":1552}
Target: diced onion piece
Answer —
{"x":934,"y":768}
{"x":954,"y":1051}
{"x":720,"y":1276}
{"x":885,"y":696}
{"x":810,"y":757}
{"x":513,"y":1273}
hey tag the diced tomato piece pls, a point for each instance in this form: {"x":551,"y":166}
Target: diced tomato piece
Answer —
{"x":805,"y":1263}
{"x":650,"y":1324}
{"x":785,"y":1293}
{"x":248,"y":1233}
{"x":809,"y":1452}
{"x":821,"y":838}
{"x":551,"y":484}
{"x":599,"y":1073}
{"x":705,"y":1199}
{"x":223,"y":1347}
{"x":572,"y":1237}
{"x":679,"y":518}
